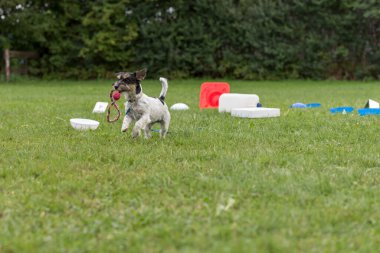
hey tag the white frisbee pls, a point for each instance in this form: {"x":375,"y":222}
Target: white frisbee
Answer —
{"x":84,"y":124}
{"x":259,"y":112}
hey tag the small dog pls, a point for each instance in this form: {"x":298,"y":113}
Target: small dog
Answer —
{"x":141,"y":108}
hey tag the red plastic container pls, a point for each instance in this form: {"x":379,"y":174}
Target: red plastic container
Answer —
{"x":210,"y":93}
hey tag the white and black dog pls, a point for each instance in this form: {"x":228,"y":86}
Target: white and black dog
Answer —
{"x":141,"y":108}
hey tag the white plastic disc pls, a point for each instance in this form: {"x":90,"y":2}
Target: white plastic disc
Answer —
{"x":84,"y":124}
{"x":259,"y":112}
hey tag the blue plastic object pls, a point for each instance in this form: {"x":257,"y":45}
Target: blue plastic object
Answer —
{"x":347,"y":109}
{"x":259,"y":105}
{"x":313,"y":105}
{"x":298,"y":105}
{"x":369,"y":111}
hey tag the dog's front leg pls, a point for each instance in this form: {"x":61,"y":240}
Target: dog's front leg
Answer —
{"x":140,"y":124}
{"x":126,"y":122}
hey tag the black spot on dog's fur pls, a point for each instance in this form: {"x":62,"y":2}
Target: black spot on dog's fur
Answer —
{"x":138,"y":88}
{"x":131,"y":80}
{"x":162,"y":99}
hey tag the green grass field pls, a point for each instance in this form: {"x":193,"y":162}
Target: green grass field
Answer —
{"x":308,"y":181}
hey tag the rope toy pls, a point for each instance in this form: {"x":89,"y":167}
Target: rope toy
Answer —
{"x":114,"y":95}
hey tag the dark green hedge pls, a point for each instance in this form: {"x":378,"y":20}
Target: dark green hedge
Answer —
{"x":264,"y":39}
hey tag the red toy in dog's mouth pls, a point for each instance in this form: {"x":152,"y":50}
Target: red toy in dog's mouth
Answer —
{"x":116,"y":95}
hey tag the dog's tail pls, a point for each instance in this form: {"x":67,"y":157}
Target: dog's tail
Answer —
{"x":164,"y":83}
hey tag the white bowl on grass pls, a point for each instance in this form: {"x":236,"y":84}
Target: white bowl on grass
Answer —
{"x":84,"y":124}
{"x":179,"y":107}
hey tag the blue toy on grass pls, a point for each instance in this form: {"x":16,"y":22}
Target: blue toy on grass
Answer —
{"x":302,"y":105}
{"x":298,"y":105}
{"x":369,"y":111}
{"x":342,"y":109}
{"x":313,"y":105}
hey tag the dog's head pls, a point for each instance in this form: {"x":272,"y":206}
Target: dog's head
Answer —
{"x":129,"y":82}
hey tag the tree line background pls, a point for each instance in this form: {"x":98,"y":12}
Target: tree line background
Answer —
{"x":244,"y":39}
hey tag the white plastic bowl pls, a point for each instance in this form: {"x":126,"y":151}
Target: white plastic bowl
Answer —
{"x":84,"y":124}
{"x":179,"y":107}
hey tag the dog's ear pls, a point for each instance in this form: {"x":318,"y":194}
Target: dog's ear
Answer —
{"x":140,"y":75}
{"x":118,"y":75}
{"x":122,"y":75}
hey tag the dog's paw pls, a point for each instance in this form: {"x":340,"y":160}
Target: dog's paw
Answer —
{"x":124,"y":129}
{"x":148,"y":136}
{"x":135,"y":133}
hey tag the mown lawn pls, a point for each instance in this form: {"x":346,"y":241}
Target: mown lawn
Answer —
{"x":308,"y":181}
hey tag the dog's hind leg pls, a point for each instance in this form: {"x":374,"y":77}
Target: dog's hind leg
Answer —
{"x":164,"y":128}
{"x":147,"y":130}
